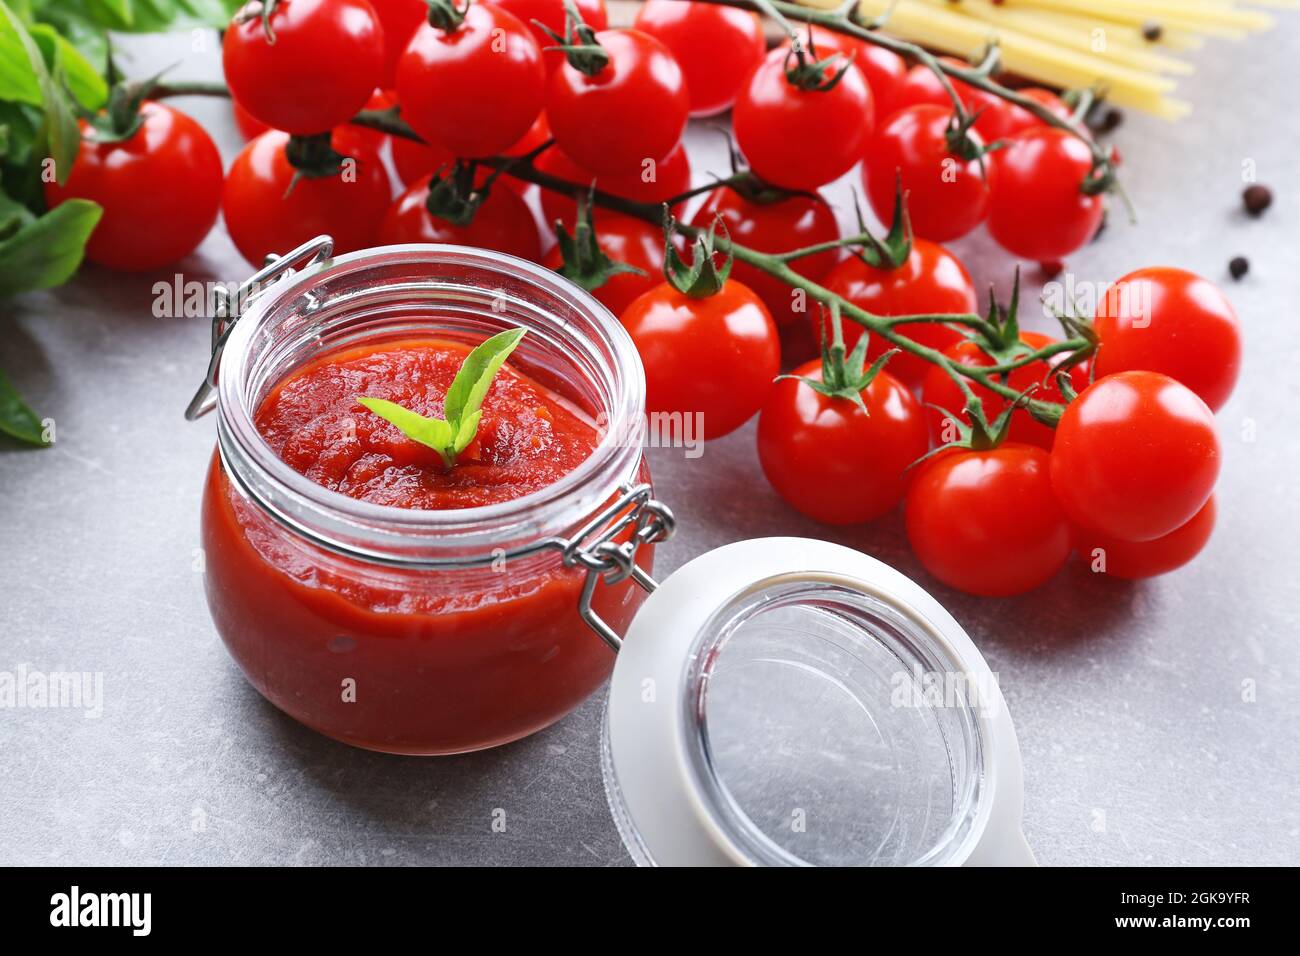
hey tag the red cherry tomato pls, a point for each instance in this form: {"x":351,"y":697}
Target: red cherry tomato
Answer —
{"x":830,"y":460}
{"x":790,"y":223}
{"x":265,"y":217}
{"x":399,"y":20}
{"x":379,"y":100}
{"x":1017,"y":119}
{"x":802,"y":139}
{"x":948,"y":196}
{"x":160,"y":190}
{"x":884,"y":70}
{"x":325,"y":61}
{"x":922,"y":86}
{"x":652,"y":182}
{"x":414,"y":160}
{"x":932,"y":280}
{"x":1136,"y":455}
{"x":633,"y":110}
{"x":1036,"y":207}
{"x":1174,"y":322}
{"x":475,"y":89}
{"x":628,"y":240}
{"x":1145,"y":559}
{"x":717,"y":47}
{"x":550,"y":13}
{"x":714,"y":356}
{"x":249,"y":126}
{"x":503,"y":222}
{"x":938,"y":389}
{"x":986,"y":522}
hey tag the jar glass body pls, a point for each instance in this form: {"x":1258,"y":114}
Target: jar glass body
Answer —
{"x":400,"y":630}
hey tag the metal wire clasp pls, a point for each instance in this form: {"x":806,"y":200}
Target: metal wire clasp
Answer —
{"x":596,"y":548}
{"x":227,"y":307}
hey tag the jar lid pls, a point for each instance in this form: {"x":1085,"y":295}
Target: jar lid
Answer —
{"x":787,"y":701}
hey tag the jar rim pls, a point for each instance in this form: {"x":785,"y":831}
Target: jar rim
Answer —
{"x":409,"y":537}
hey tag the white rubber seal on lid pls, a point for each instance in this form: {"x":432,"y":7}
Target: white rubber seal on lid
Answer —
{"x":791,"y":701}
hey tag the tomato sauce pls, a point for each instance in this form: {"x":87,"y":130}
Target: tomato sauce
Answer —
{"x":407,"y":661}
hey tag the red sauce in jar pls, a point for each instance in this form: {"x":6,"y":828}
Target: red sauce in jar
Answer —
{"x":407,"y":661}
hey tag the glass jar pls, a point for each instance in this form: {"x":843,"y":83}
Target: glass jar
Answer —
{"x":406,"y":631}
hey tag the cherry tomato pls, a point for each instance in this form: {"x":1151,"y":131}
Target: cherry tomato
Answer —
{"x":986,"y":522}
{"x":948,"y":196}
{"x":830,"y":460}
{"x":1017,"y":119}
{"x":1036,"y":207}
{"x":249,"y":126}
{"x":932,"y":280}
{"x":379,"y":100}
{"x":414,"y":160}
{"x":1136,"y":455}
{"x":324,"y":63}
{"x":922,"y":86}
{"x":503,"y":222}
{"x":938,"y":389}
{"x":884,"y":70}
{"x":265,"y":217}
{"x":550,"y":13}
{"x":717,"y":47}
{"x":790,"y":223}
{"x":802,"y":139}
{"x":633,"y":110}
{"x":714,"y":356}
{"x":628,"y":240}
{"x":475,"y":89}
{"x":160,"y":190}
{"x":399,"y":20}
{"x":652,"y":182}
{"x":1145,"y":559}
{"x":1171,"y":321}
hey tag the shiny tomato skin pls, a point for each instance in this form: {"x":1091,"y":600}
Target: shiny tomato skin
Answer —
{"x":651,"y":182}
{"x":1036,"y":209}
{"x":947,"y":195}
{"x":475,"y":89}
{"x":503,"y":222}
{"x":792,"y":223}
{"x":265,"y":217}
{"x":986,"y":522}
{"x":831,"y":461}
{"x":327,"y":59}
{"x":1136,"y":456}
{"x":802,"y":139}
{"x":932,"y":280}
{"x":160,"y":190}
{"x":715,"y":356}
{"x":717,"y":47}
{"x":884,"y":70}
{"x":399,"y":20}
{"x":550,"y":13}
{"x":628,"y":240}
{"x":633,"y":110}
{"x":1171,"y":321}
{"x":1133,"y":560}
{"x":938,"y":389}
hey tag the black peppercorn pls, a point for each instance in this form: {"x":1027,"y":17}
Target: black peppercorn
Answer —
{"x":1239,"y":266}
{"x":1256,"y":199}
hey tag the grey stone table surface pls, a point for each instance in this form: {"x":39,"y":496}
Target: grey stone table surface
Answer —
{"x":1159,"y":722}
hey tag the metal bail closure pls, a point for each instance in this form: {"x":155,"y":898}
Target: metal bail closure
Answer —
{"x":227,"y":308}
{"x":596,"y":547}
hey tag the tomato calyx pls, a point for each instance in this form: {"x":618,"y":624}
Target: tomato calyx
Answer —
{"x":453,"y":196}
{"x":578,"y":44}
{"x":977,"y":433}
{"x":446,"y":15}
{"x":583,"y":261}
{"x":313,"y":157}
{"x":842,"y":371}
{"x":704,"y":276}
{"x":895,"y":248}
{"x":960,"y":141}
{"x":814,"y":75}
{"x":258,"y":10}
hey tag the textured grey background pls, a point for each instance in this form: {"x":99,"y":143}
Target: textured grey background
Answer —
{"x":1138,"y":745}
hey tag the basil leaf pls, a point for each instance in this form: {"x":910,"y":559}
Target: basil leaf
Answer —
{"x":61,"y":132}
{"x":16,"y":418}
{"x":83,"y":80}
{"x":45,"y":252}
{"x":433,"y":432}
{"x":472,"y":382}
